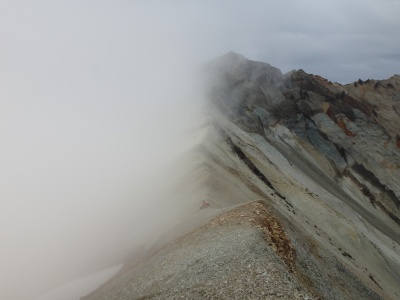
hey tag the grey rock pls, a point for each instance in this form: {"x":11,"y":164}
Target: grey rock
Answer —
{"x":302,"y":177}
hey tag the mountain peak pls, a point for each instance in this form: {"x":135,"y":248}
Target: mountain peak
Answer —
{"x":305,"y":172}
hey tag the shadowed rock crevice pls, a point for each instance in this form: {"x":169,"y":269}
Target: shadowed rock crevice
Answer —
{"x":384,"y":190}
{"x":249,"y":163}
{"x":252,"y":166}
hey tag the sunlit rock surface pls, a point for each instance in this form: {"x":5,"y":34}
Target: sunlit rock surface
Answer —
{"x":302,"y":178}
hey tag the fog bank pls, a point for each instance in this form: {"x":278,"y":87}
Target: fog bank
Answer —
{"x":94,"y":104}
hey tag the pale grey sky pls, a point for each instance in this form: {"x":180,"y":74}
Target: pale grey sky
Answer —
{"x":341,"y":40}
{"x":94,"y":94}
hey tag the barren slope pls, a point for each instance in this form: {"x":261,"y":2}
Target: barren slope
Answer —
{"x":321,"y":159}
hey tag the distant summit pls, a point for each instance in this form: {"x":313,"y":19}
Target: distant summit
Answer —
{"x":232,"y":57}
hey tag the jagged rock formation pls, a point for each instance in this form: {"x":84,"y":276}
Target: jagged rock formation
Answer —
{"x":355,"y":127}
{"x":318,"y":164}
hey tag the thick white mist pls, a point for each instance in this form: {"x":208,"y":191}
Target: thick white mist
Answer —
{"x":94,"y":101}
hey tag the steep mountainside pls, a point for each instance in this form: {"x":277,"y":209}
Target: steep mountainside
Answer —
{"x":302,"y":178}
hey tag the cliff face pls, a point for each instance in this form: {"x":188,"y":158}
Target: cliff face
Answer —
{"x":318,"y":164}
{"x":354,"y":127}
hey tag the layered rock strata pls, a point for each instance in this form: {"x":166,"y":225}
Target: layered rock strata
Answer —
{"x":302,"y":178}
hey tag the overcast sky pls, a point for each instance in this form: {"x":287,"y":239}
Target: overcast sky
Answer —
{"x":94,"y":95}
{"x":341,"y":40}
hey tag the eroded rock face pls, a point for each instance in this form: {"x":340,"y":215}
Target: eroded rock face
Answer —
{"x":355,"y":126}
{"x":317,"y":164}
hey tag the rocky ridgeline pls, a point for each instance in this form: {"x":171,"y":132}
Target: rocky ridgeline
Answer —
{"x":297,"y":179}
{"x":356,"y":126}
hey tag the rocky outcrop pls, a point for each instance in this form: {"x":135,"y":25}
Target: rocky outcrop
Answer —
{"x":301,"y":177}
{"x":351,"y":125}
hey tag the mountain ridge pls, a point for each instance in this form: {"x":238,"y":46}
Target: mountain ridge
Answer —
{"x":318,"y":161}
